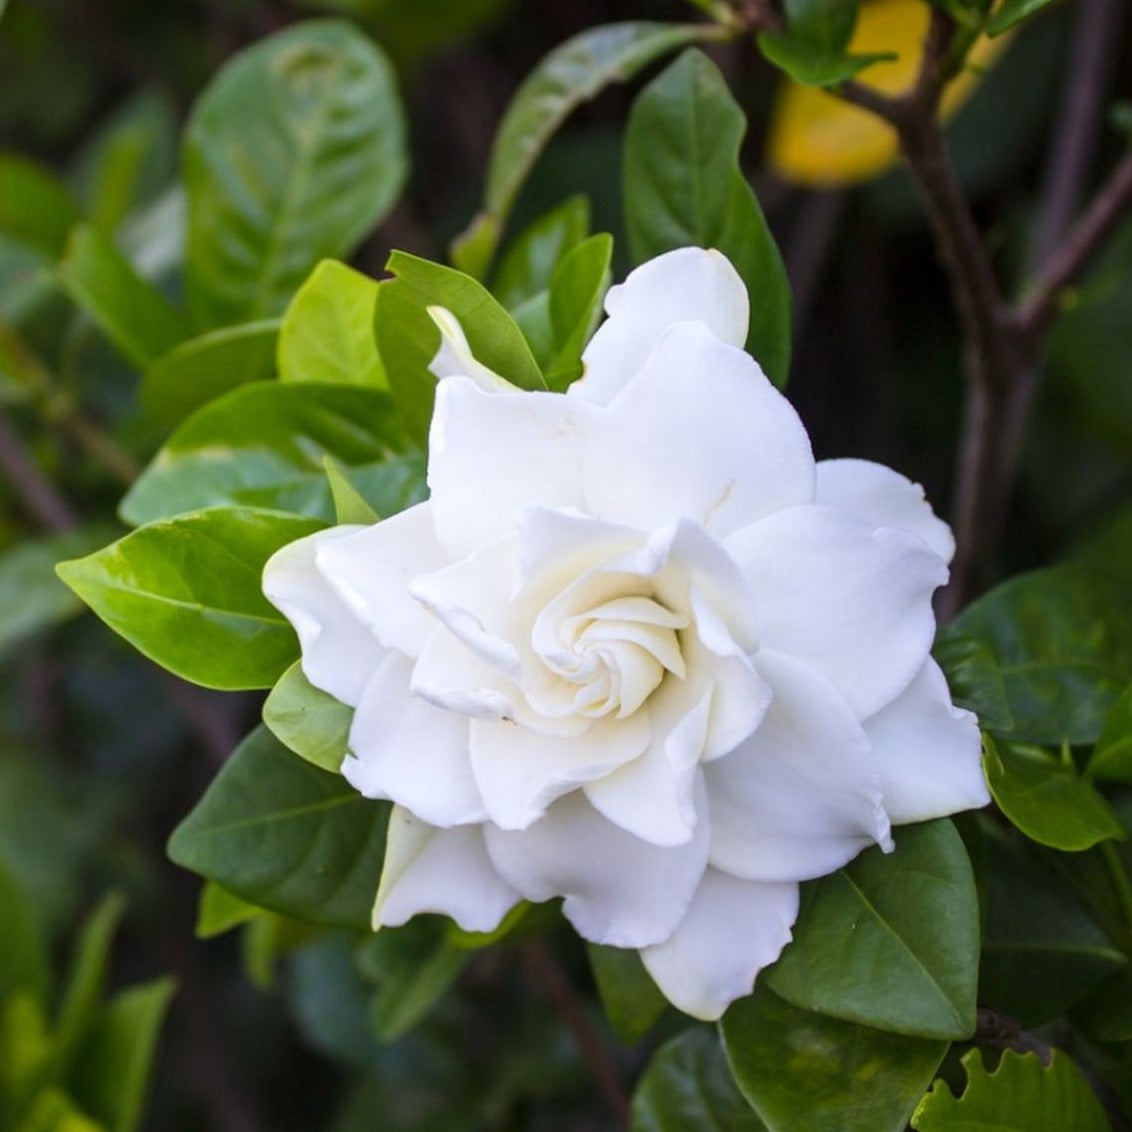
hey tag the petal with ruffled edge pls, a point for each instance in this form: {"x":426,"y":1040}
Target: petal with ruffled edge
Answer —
{"x":339,"y":653}
{"x":848,"y":599}
{"x":685,"y":284}
{"x":698,"y":434}
{"x":371,"y":569}
{"x":883,"y":498}
{"x":405,"y":749}
{"x":928,"y":752}
{"x":801,"y":797}
{"x":733,"y":930}
{"x":618,"y":889}
{"x":439,"y":870}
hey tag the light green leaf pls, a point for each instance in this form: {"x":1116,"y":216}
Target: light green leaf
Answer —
{"x":891,"y":940}
{"x":263,"y":445}
{"x":408,"y":339}
{"x":292,"y":154}
{"x":129,"y":311}
{"x":689,"y":1086}
{"x":974,"y":679}
{"x":350,"y":506}
{"x":1046,"y":798}
{"x":35,"y":206}
{"x":808,"y":1071}
{"x":1011,"y":12}
{"x":1112,"y":756}
{"x":23,"y":951}
{"x":327,"y":331}
{"x":683,"y":186}
{"x":632,"y":1001}
{"x":187,"y":593}
{"x":52,"y":1110}
{"x":1021,"y":1095}
{"x":577,"y":288}
{"x":286,"y":836}
{"x":220,"y":911}
{"x":312,"y":723}
{"x":531,"y":258}
{"x":193,"y":373}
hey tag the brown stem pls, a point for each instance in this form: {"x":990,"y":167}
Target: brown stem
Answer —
{"x":37,"y":493}
{"x":100,"y":447}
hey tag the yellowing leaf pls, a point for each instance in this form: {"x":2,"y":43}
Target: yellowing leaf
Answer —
{"x":818,"y":140}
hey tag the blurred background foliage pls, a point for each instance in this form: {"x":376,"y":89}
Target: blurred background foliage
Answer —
{"x":274,"y":1027}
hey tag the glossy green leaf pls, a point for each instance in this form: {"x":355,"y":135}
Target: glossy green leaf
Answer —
{"x":350,"y":506}
{"x":292,"y":154}
{"x":808,"y":1071}
{"x":1011,"y":12}
{"x":1112,"y":756}
{"x":113,"y":1066}
{"x":220,"y":911}
{"x":1062,"y":640}
{"x":974,"y":679}
{"x":1021,"y":1095}
{"x":813,"y":64}
{"x":408,"y":339}
{"x":312,"y":723}
{"x":327,"y":331}
{"x":187,"y":593}
{"x":129,"y":311}
{"x":688,"y":1085}
{"x":823,"y":23}
{"x":632,"y":1001}
{"x":683,"y":186}
{"x":193,"y":373}
{"x":263,"y":445}
{"x":23,"y":951}
{"x":577,"y":288}
{"x":35,"y":206}
{"x":286,"y":836}
{"x":891,"y":940}
{"x":532,"y":256}
{"x":1046,"y":797}
{"x":385,"y":489}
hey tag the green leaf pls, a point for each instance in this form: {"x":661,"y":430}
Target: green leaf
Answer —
{"x":129,"y":311}
{"x":891,"y":940}
{"x":1106,"y":1014}
{"x":52,"y":1110}
{"x":187,"y":593}
{"x":974,"y":679}
{"x":35,"y":207}
{"x":531,"y":258}
{"x":286,"y":836}
{"x":1011,"y":12}
{"x":812,"y":64}
{"x":292,"y":154}
{"x":193,"y":373}
{"x":822,"y":23}
{"x":408,"y":339}
{"x":632,"y":1001}
{"x":263,"y":445}
{"x":1112,"y":756}
{"x":472,"y":250}
{"x":23,"y":951}
{"x":577,"y":288}
{"x":220,"y":911}
{"x":1046,"y":798}
{"x":683,"y":186}
{"x":350,"y":506}
{"x":808,"y":1071}
{"x":1062,"y":640}
{"x":689,"y":1086}
{"x":312,"y":723}
{"x":327,"y":331}
{"x":1021,"y":1095}
{"x":113,"y":1066}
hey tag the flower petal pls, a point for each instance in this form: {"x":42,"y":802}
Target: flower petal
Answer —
{"x":801,"y":797}
{"x":883,"y":498}
{"x":733,"y":930}
{"x":371,"y":570}
{"x":682,"y":285}
{"x":698,"y":434}
{"x":403,"y":748}
{"x":849,"y":600}
{"x":455,"y":357}
{"x":439,"y":870}
{"x":339,"y":653}
{"x":619,"y":889}
{"x":928,"y":752}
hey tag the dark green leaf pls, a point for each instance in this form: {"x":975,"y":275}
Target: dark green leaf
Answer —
{"x":310,"y":722}
{"x":632,"y":1001}
{"x":813,"y":64}
{"x":577,"y":288}
{"x":683,"y":186}
{"x":891,"y":940}
{"x":286,"y":836}
{"x":1011,"y":12}
{"x":822,"y":23}
{"x":689,"y":1086}
{"x":292,"y":154}
{"x":808,"y":1071}
{"x":1106,"y":1014}
{"x":531,"y":258}
{"x":187,"y":593}
{"x":35,"y":207}
{"x":974,"y":679}
{"x":1112,"y":756}
{"x":23,"y":952}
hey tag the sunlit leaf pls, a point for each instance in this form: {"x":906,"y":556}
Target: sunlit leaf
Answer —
{"x":310,"y":722}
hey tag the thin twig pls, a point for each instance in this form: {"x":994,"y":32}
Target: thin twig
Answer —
{"x":37,"y":493}
{"x":99,"y":446}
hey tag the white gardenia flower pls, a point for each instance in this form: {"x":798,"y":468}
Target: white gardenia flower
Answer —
{"x":637,"y":650}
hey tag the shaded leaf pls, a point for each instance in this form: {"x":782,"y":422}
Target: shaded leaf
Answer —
{"x":1011,"y":12}
{"x":220,"y":911}
{"x":974,"y":679}
{"x":1112,"y":756}
{"x":23,"y":952}
{"x":632,"y":1001}
{"x":35,"y":206}
{"x":312,"y":723}
{"x":532,"y":256}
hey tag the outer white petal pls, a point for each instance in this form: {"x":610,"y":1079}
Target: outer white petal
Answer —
{"x":618,"y":889}
{"x":689,"y":283}
{"x":371,"y":570}
{"x":733,"y":930}
{"x":698,"y":434}
{"x":491,"y":454}
{"x":852,"y":601}
{"x":883,"y":498}
{"x":339,"y":653}
{"x":406,"y":749}
{"x":802,"y":796}
{"x":455,"y":358}
{"x":439,"y":870}
{"x":928,"y":752}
